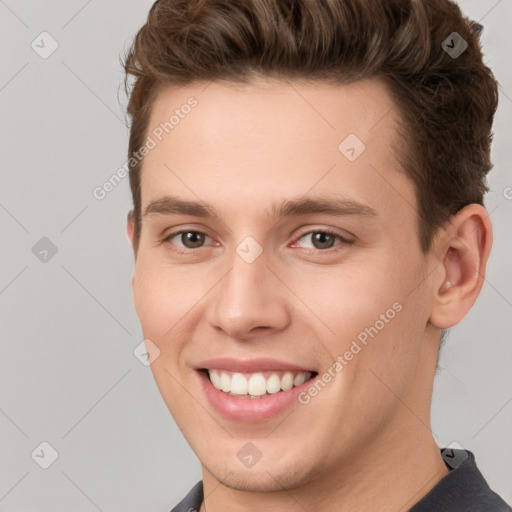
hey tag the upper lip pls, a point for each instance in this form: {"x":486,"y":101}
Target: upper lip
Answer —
{"x":249,"y":365}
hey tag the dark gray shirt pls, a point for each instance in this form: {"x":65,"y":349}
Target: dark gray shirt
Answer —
{"x":463,"y":489}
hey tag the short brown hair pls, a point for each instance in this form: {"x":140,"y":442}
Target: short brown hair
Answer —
{"x":447,"y":101}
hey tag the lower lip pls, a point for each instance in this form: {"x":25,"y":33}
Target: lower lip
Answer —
{"x":249,"y":410}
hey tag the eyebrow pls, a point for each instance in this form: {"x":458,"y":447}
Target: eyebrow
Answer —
{"x":169,"y":205}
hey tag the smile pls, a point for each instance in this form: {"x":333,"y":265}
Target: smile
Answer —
{"x":251,"y":391}
{"x":256,"y":385}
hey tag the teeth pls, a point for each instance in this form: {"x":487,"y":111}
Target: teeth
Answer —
{"x":215,"y":378}
{"x":300,"y":378}
{"x":239,"y":384}
{"x":256,"y":385}
{"x":225,"y":382}
{"x":273,"y":384}
{"x":287,"y":381}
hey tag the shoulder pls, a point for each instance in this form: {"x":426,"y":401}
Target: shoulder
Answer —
{"x":192,"y":501}
{"x":463,"y":489}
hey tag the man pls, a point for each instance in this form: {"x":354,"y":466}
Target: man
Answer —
{"x":308,"y":181}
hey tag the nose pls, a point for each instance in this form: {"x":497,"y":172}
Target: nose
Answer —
{"x":249,"y":301}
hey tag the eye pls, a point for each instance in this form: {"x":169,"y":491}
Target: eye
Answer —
{"x":188,"y":239}
{"x":322,"y":239}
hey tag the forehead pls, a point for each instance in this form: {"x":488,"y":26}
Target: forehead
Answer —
{"x":230,"y":142}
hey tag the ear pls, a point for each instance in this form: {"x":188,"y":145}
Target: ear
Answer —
{"x":463,"y":249}
{"x":130,"y":226}
{"x":130,"y":230}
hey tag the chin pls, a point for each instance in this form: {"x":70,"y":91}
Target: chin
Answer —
{"x":263,"y":477}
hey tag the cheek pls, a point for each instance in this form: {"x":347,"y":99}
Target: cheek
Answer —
{"x":388,"y":340}
{"x":366,"y":316}
{"x":149,"y":300}
{"x":161,"y":303}
{"x":169,"y":303}
{"x":343,"y":302}
{"x":161,"y":296}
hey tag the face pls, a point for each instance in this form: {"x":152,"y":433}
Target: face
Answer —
{"x":279,"y":247}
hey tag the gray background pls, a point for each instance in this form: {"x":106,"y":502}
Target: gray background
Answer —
{"x":68,"y":375}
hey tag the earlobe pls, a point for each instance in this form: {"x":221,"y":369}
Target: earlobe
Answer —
{"x":465,"y":250}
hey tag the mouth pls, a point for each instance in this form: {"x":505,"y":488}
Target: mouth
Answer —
{"x":256,"y":385}
{"x":252,"y":391}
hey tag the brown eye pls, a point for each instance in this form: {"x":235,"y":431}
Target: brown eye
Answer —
{"x":192,"y":239}
{"x":322,"y":240}
{"x":181,"y":241}
{"x":319,"y":240}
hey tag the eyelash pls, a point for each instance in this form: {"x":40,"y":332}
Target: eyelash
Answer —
{"x":344,"y":241}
